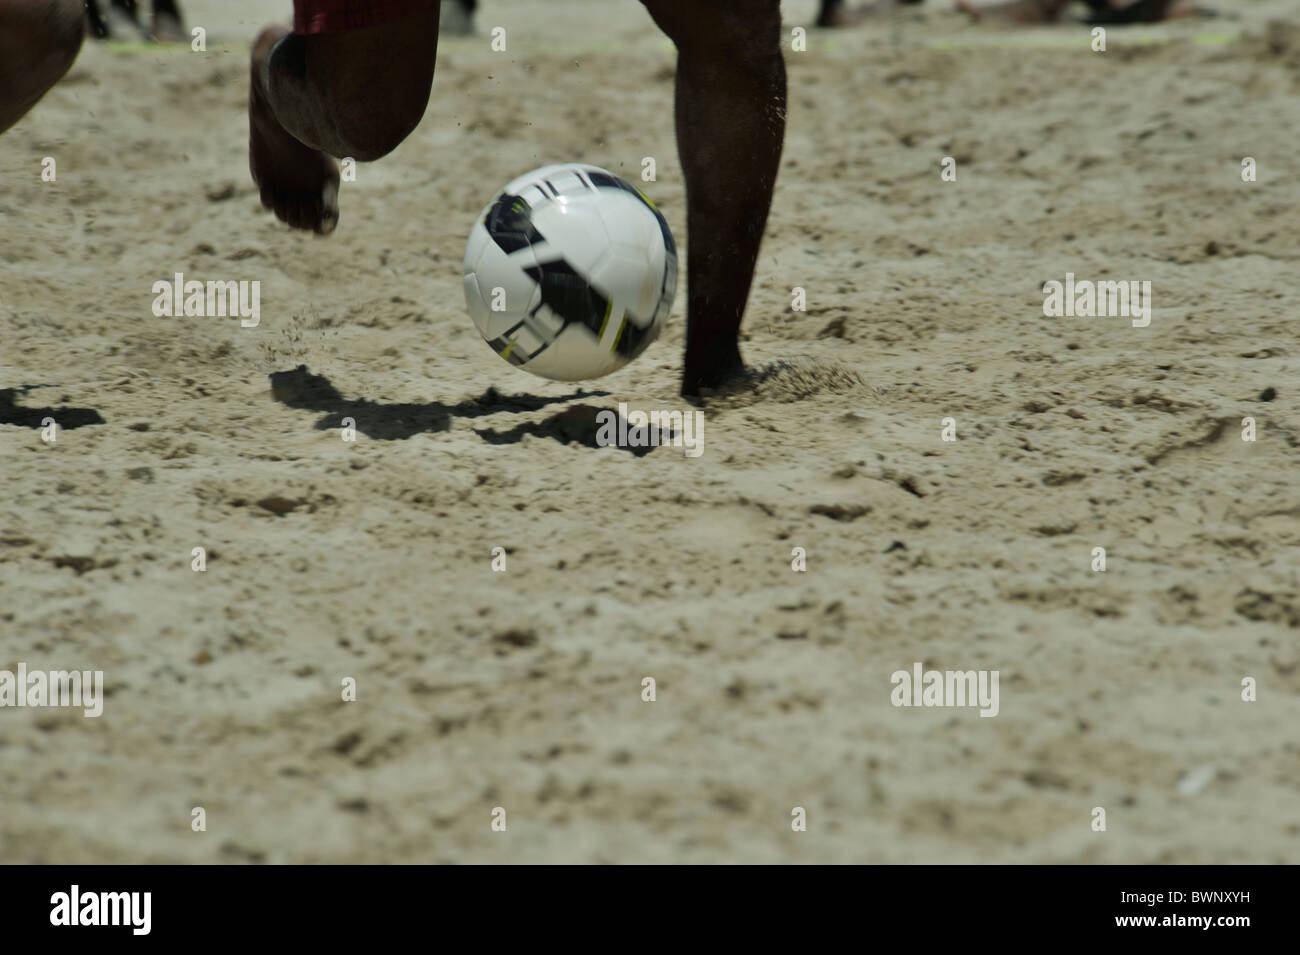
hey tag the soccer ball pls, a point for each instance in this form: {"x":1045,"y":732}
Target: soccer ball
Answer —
{"x":570,"y":272}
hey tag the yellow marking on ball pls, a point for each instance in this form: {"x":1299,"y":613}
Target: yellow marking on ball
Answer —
{"x":609,"y":307}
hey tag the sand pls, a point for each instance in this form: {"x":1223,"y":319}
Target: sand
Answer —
{"x":371,"y":560}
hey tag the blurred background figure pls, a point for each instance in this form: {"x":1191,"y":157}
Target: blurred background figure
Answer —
{"x":457,"y":17}
{"x":1099,"y":11}
{"x":838,"y":13}
{"x":121,"y":20}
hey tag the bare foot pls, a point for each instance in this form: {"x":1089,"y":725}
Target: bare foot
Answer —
{"x":711,"y":376}
{"x":299,"y":184}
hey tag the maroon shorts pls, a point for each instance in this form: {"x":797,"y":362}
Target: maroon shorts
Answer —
{"x":339,"y":16}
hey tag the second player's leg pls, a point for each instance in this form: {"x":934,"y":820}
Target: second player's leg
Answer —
{"x":730,"y":114}
{"x":39,"y":40}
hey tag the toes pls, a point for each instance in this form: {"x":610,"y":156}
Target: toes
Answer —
{"x":315,"y":213}
{"x":299,"y":214}
{"x":285,"y":209}
{"x":327,"y":216}
{"x":303,"y":210}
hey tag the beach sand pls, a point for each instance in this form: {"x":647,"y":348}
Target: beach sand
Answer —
{"x":371,"y":560}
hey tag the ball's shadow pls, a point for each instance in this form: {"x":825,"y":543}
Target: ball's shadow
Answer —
{"x":576,"y":423}
{"x":300,"y":388}
{"x":66,"y":418}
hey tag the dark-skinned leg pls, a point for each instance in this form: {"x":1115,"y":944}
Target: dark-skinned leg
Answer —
{"x":730,"y":117}
{"x":39,"y":40}
{"x":318,"y":97}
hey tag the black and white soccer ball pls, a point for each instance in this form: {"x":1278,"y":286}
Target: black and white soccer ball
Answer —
{"x":570,"y":272}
